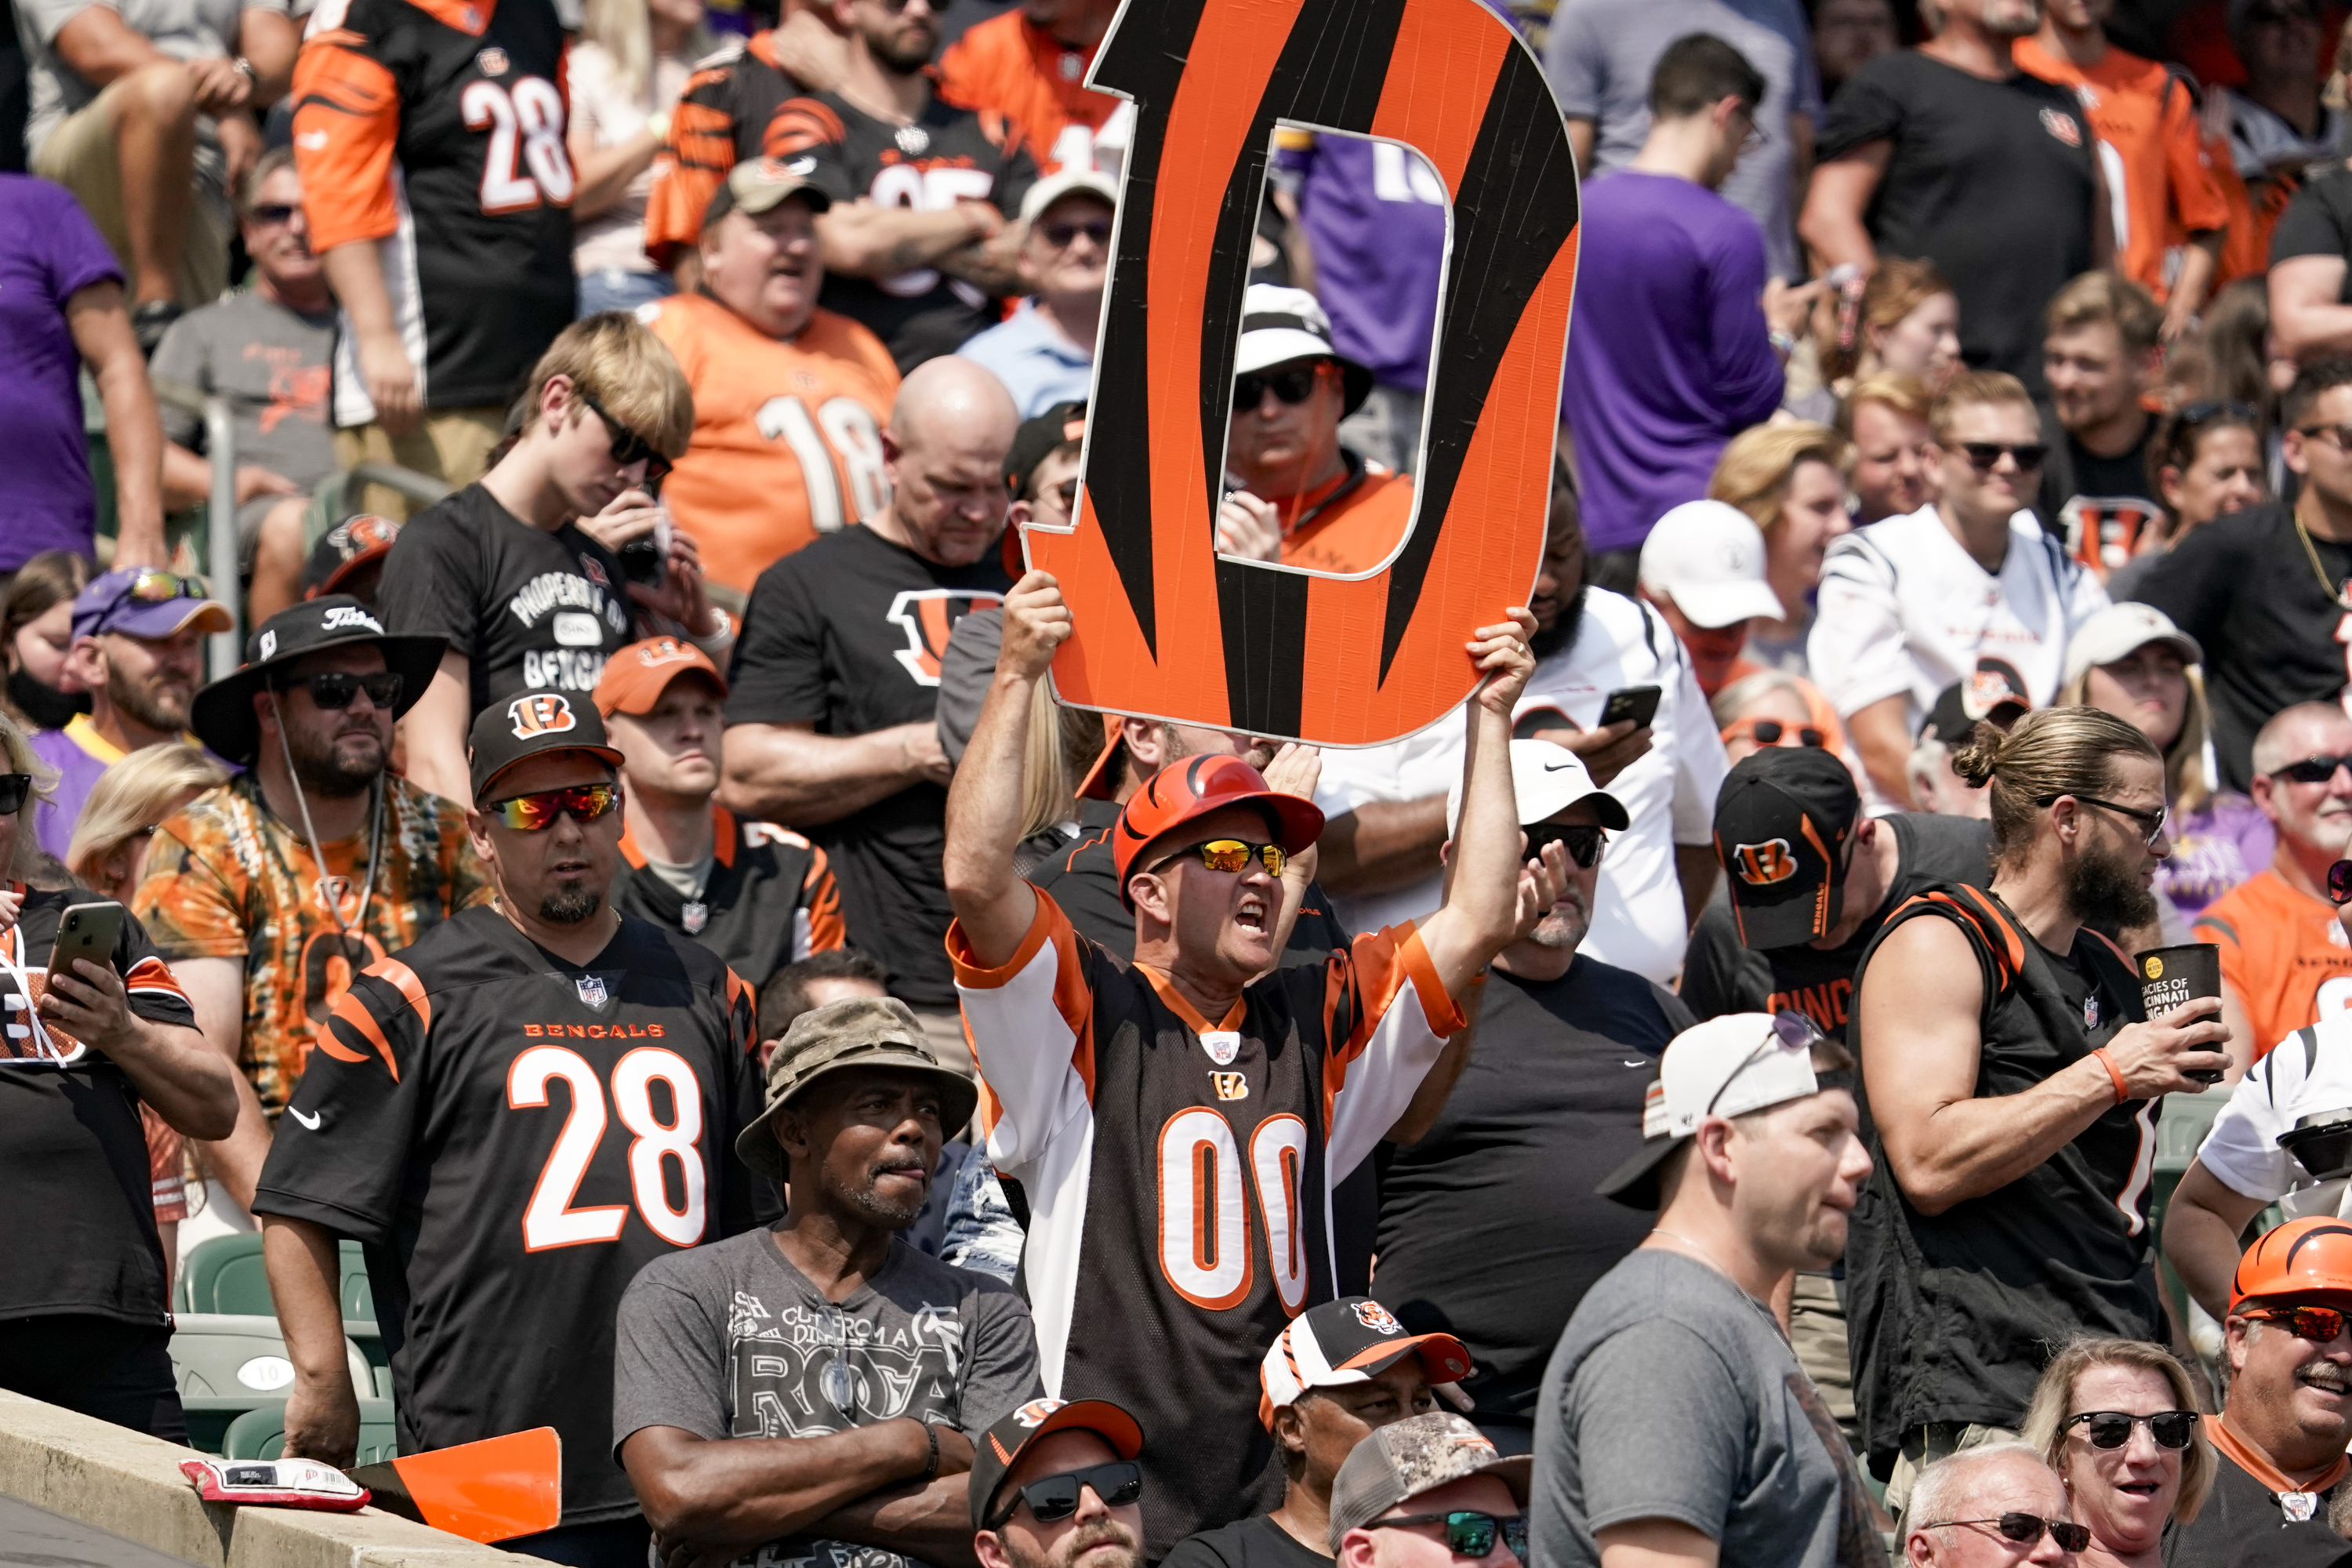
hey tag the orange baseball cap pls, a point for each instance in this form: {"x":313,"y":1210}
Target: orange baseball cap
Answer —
{"x":634,"y":678}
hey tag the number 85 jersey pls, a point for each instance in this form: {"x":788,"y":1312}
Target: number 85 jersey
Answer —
{"x":511,"y":1139}
{"x":436,"y":130}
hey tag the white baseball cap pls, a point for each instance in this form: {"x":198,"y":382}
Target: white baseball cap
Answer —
{"x":1726,"y":1067}
{"x":1548,"y":779}
{"x":2123,"y":629}
{"x":1707,"y":556}
{"x":1070,"y":182}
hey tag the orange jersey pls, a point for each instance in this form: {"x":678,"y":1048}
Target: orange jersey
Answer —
{"x":2282,"y":952}
{"x":1353,"y":529}
{"x":1016,"y":67}
{"x":720,"y":122}
{"x":787,"y":436}
{"x":2146,"y":118}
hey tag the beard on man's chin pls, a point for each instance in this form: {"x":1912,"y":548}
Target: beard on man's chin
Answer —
{"x":159,"y":707}
{"x":1563,"y":926}
{"x":1561,"y":634}
{"x":326,"y":769}
{"x":1066,"y":1550}
{"x":570,"y":906}
{"x":875,"y":1207}
{"x":2104,"y":889}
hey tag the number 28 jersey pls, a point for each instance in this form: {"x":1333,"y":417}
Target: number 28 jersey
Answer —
{"x":513,"y":1139}
{"x":435,"y":129}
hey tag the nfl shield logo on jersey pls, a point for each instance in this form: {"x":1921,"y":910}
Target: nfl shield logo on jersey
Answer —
{"x":592,"y":989}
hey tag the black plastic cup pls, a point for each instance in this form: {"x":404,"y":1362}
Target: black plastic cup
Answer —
{"x":2169,"y":976}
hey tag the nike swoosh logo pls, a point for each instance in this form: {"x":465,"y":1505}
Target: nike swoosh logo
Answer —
{"x":309,"y":1122}
{"x":1638,"y":1062}
{"x":1555,"y":767}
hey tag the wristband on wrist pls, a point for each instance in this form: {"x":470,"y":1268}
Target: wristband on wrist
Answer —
{"x":2123,"y":1091}
{"x":930,"y":1466}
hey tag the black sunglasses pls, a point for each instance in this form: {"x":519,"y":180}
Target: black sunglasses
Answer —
{"x":1468,"y":1532}
{"x":14,"y":788}
{"x":270,"y":213}
{"x":2339,"y":882}
{"x":2217,"y":408}
{"x":2025,"y":1529}
{"x":2113,"y":1428}
{"x":1768,"y":732}
{"x":1583,"y":843}
{"x":1052,"y":1497}
{"x":628,"y":446}
{"x":333,"y":690}
{"x":2311,"y":769}
{"x":2151,"y":823}
{"x":1294,"y":385}
{"x":1059,"y":234}
{"x":1985,"y":454}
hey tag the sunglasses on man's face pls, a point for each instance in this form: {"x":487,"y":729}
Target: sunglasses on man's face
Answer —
{"x":1060,"y":234}
{"x":627,"y":447}
{"x":1231,"y":855}
{"x":2320,"y":1325}
{"x":1772,"y":732}
{"x":14,"y":789}
{"x":333,"y":690}
{"x":530,"y":813}
{"x":2113,"y":1428}
{"x":2025,"y":1529}
{"x":1294,"y":385}
{"x":1468,"y":1532}
{"x":1052,"y":1499}
{"x":1984,"y":455}
{"x":271,"y":213}
{"x":2317,"y":770}
{"x":1583,"y":843}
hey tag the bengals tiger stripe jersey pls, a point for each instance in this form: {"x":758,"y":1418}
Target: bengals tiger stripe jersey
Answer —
{"x":435,"y":128}
{"x":767,"y":898}
{"x":78,"y":1228}
{"x":1179,"y":1174}
{"x":1010,"y":64}
{"x":511,"y":1138}
{"x":721,"y":120}
{"x":943,"y":156}
{"x":787,"y":434}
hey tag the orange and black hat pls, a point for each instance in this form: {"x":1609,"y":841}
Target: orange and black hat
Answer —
{"x":2302,"y":1258}
{"x":504,"y":733}
{"x":1000,"y":1447}
{"x":345,"y":549}
{"x":1781,"y":821}
{"x":1186,"y":791}
{"x":1352,"y":1340}
{"x":636,"y":678}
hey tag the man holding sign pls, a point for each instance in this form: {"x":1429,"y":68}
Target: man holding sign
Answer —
{"x":1178,"y":1124}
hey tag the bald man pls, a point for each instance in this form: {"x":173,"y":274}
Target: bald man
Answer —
{"x":830,"y":722}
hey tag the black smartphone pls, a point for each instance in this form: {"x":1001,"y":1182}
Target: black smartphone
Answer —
{"x":1536,"y":720}
{"x":86,"y":930}
{"x":1639,"y":703}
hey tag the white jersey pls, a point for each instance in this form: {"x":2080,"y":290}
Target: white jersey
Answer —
{"x":2308,"y":1072}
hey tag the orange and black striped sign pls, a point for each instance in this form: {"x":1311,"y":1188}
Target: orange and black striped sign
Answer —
{"x":1165,"y":627}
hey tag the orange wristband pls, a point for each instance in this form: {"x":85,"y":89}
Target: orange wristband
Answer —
{"x":2123,"y":1091}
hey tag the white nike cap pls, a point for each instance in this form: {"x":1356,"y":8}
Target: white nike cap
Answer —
{"x":1726,"y":1067}
{"x":1548,"y":779}
{"x":1707,"y":556}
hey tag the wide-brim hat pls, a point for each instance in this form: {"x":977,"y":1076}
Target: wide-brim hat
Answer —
{"x":856,"y":1033}
{"x":1280,"y":324}
{"x":222,"y":714}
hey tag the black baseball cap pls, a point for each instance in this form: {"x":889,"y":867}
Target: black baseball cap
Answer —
{"x":222,"y":714}
{"x":1001,"y":1447}
{"x":1033,"y":442}
{"x":1781,"y":822}
{"x":345,"y":549}
{"x":1352,"y":1340}
{"x":1993,"y":691}
{"x":504,"y":733}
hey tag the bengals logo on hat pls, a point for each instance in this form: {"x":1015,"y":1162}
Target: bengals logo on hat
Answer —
{"x":1377,"y":1318}
{"x":1762,"y":864}
{"x":548,"y":713}
{"x":1036,"y":1410}
{"x":660,"y":651}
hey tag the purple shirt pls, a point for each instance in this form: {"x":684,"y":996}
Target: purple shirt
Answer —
{"x":1667,"y":356}
{"x":2214,"y":848}
{"x":79,"y":770}
{"x":1375,"y":218}
{"x":49,"y":250}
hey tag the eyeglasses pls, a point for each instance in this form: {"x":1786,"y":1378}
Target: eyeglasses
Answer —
{"x":2113,"y":1428}
{"x":1791,"y":1031}
{"x":1294,"y":385}
{"x":2151,"y":823}
{"x":1052,"y":1498}
{"x":270,"y":214}
{"x":1772,"y":732}
{"x":1068,"y":491}
{"x":2338,"y":436}
{"x":2339,"y":882}
{"x":2025,"y":1529}
{"x":2311,"y":769}
{"x":1985,"y":454}
{"x":530,"y":813}
{"x":2217,"y":408}
{"x":2318,"y":1323}
{"x":1583,"y":843}
{"x":1059,"y":234}
{"x":333,"y":690}
{"x":1468,"y":1532}
{"x":1230,"y":855}
{"x":14,"y":788}
{"x":628,"y":446}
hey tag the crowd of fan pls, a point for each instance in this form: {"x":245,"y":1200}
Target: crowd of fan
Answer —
{"x":1949,"y":584}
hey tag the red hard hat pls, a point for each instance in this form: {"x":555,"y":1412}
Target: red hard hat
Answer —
{"x":1186,"y":791}
{"x":2301,"y":1257}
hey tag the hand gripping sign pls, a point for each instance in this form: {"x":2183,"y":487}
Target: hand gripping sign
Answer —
{"x":1164,"y":625}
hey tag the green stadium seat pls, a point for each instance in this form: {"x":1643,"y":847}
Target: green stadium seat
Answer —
{"x":237,"y":1356}
{"x":260,"y":1433}
{"x":224,"y":1275}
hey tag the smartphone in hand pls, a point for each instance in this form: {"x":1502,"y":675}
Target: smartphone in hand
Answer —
{"x":1639,"y":703}
{"x":86,"y":930}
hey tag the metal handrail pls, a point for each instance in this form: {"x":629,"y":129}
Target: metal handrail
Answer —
{"x":422,"y":489}
{"x":225,"y":650}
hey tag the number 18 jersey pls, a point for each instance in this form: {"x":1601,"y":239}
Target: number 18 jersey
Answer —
{"x":513,"y":1139}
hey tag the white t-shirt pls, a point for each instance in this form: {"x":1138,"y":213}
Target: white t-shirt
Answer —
{"x":2290,"y":1083}
{"x":1669,"y":794}
{"x":1904,"y":608}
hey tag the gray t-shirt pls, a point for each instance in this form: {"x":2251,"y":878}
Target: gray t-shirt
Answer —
{"x":731,"y":1341}
{"x":273,"y":365}
{"x":1600,"y":55}
{"x":183,"y":30}
{"x":1673,"y":1396}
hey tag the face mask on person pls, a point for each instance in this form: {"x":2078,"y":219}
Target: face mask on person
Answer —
{"x":44,"y":706}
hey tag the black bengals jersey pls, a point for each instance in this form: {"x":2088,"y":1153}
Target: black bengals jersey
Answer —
{"x":435,"y":129}
{"x":721,"y":120}
{"x":767,"y":900}
{"x":1179,"y":1174}
{"x":1954,"y":1315}
{"x":945,"y":156}
{"x":513,"y":1139}
{"x":79,"y":1229}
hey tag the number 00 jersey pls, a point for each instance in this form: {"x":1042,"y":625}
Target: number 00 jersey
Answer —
{"x":435,"y":129}
{"x":1179,"y":1175}
{"x":513,"y":1139}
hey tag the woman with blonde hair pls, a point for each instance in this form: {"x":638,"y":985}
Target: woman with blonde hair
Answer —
{"x":626,"y":73}
{"x":2117,"y":1420}
{"x":109,"y":842}
{"x":1790,"y":479}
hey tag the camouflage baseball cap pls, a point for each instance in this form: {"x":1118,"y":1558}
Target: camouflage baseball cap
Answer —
{"x":856,"y":1032}
{"x":1405,"y":1458}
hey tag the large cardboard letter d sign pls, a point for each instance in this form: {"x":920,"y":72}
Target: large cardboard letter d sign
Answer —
{"x":1164,"y":627}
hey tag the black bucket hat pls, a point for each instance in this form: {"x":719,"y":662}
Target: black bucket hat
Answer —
{"x":222,"y":715}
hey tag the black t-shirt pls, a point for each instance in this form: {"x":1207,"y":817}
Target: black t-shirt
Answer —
{"x":1489,"y":1226}
{"x":845,"y":635}
{"x":2318,"y":222}
{"x":512,"y":1138}
{"x":1991,"y":181}
{"x":2237,"y":1510}
{"x":1720,"y":976}
{"x":769,"y":898}
{"x":945,"y":156}
{"x":2099,"y":506}
{"x":532,"y":611}
{"x":2242,"y":585}
{"x":1252,"y":1543}
{"x":78,"y":1231}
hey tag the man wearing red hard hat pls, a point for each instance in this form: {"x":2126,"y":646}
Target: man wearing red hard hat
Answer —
{"x":2282,"y":1434}
{"x":1177,"y":1123}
